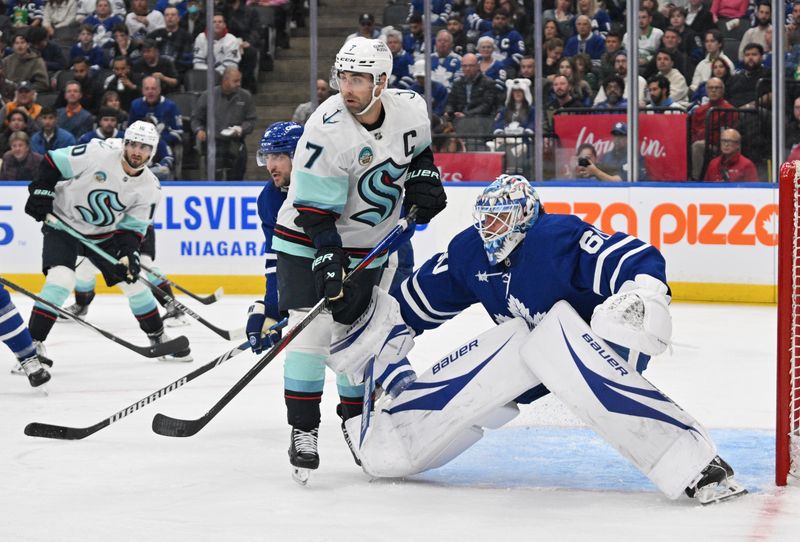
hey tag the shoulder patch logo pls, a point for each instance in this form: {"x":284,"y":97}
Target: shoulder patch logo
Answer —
{"x":100,"y":176}
{"x":365,"y":156}
{"x":327,"y":119}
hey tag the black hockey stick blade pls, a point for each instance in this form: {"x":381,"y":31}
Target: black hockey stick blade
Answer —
{"x":205,"y":300}
{"x":176,"y":427}
{"x":229,"y":335}
{"x":62,"y":432}
{"x":170,"y":347}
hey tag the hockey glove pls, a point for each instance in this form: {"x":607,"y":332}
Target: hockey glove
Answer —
{"x":424,"y":189}
{"x":129,"y":265}
{"x":40,"y":201}
{"x":262,"y":332}
{"x":328,"y":268}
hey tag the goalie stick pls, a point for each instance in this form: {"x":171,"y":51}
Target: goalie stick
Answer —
{"x":155,"y":351}
{"x":175,"y":427}
{"x":170,"y":301}
{"x":62,"y":432}
{"x":205,"y":300}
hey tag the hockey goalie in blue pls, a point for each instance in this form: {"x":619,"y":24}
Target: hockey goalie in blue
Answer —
{"x":579,"y":313}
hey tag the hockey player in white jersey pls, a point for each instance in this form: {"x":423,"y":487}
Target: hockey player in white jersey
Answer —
{"x":104,"y":190}
{"x":365,"y":154}
{"x":544,"y":279}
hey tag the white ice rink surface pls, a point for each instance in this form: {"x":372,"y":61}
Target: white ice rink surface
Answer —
{"x":544,"y":477}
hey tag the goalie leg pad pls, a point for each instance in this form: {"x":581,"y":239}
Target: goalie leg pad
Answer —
{"x":379,"y":333}
{"x":667,"y":444}
{"x":443,"y":412}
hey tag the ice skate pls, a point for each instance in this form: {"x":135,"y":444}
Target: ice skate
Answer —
{"x":37,"y":375}
{"x":303,"y":454}
{"x":175,"y":318}
{"x":41,"y":353}
{"x":161,"y":337}
{"x":75,"y":309}
{"x":715,"y":483}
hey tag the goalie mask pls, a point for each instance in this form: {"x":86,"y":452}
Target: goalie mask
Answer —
{"x":505,"y":210}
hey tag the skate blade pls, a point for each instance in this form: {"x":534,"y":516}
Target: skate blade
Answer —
{"x":724,"y":491}
{"x":42,"y":390}
{"x":183,"y":359}
{"x":301,"y":475}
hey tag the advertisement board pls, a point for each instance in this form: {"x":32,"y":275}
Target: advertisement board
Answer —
{"x":663,"y":142}
{"x":720,"y":241}
{"x":469,"y":166}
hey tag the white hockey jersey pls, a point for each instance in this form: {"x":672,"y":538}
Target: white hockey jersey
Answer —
{"x":341,"y":167}
{"x":98,"y":197}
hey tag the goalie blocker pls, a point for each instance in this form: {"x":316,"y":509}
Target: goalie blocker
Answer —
{"x":444,"y":412}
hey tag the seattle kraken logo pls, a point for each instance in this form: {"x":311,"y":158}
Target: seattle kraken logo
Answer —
{"x":378,"y":188}
{"x":103,"y":203}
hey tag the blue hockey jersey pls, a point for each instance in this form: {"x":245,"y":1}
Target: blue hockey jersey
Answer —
{"x":269,"y":203}
{"x":561,"y":257}
{"x":510,"y":45}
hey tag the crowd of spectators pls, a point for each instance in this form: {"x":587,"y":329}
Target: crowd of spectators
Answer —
{"x":482,"y":66}
{"x":74,"y":70}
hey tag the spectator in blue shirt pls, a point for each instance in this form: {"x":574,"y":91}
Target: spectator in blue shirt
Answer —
{"x":585,"y":41}
{"x":87,"y":49}
{"x":509,"y":43}
{"x":401,"y":60}
{"x":73,"y":117}
{"x":162,"y":111}
{"x":50,"y":137}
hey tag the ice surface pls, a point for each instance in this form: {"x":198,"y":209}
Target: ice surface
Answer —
{"x":543,"y":477}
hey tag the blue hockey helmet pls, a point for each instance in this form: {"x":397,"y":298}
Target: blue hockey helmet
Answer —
{"x":504,"y":211}
{"x":278,"y":138}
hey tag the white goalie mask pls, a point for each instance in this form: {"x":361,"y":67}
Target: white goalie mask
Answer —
{"x":363,"y":55}
{"x":504,"y":211}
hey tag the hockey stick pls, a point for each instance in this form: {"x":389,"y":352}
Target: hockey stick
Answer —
{"x":170,"y":301}
{"x":174,"y":427}
{"x":46,"y":430}
{"x":205,"y":300}
{"x":155,"y":351}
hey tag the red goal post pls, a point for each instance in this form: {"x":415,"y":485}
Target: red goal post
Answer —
{"x":787,"y":446}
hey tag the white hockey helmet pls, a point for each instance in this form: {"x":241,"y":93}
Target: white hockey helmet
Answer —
{"x":145,"y":133}
{"x":363,"y":55}
{"x":503,"y":213}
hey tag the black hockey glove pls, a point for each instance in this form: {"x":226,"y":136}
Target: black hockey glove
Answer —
{"x":42,"y":191}
{"x":129,"y":266}
{"x":329,"y":268}
{"x":424,"y":189}
{"x":40,"y":202}
{"x":127,"y":252}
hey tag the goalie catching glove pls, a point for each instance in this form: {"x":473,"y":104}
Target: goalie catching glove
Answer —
{"x":636,"y":317}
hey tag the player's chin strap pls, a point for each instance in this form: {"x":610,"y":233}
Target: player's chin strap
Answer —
{"x":375,"y":98}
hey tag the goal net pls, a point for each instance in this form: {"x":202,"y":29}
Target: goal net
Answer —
{"x":788,"y":398}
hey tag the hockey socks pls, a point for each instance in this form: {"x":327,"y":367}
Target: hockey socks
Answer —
{"x":302,"y":409}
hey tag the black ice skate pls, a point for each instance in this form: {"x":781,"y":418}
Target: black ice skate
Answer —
{"x":37,"y":375}
{"x":715,"y":483}
{"x":303,"y":454}
{"x":161,"y":337}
